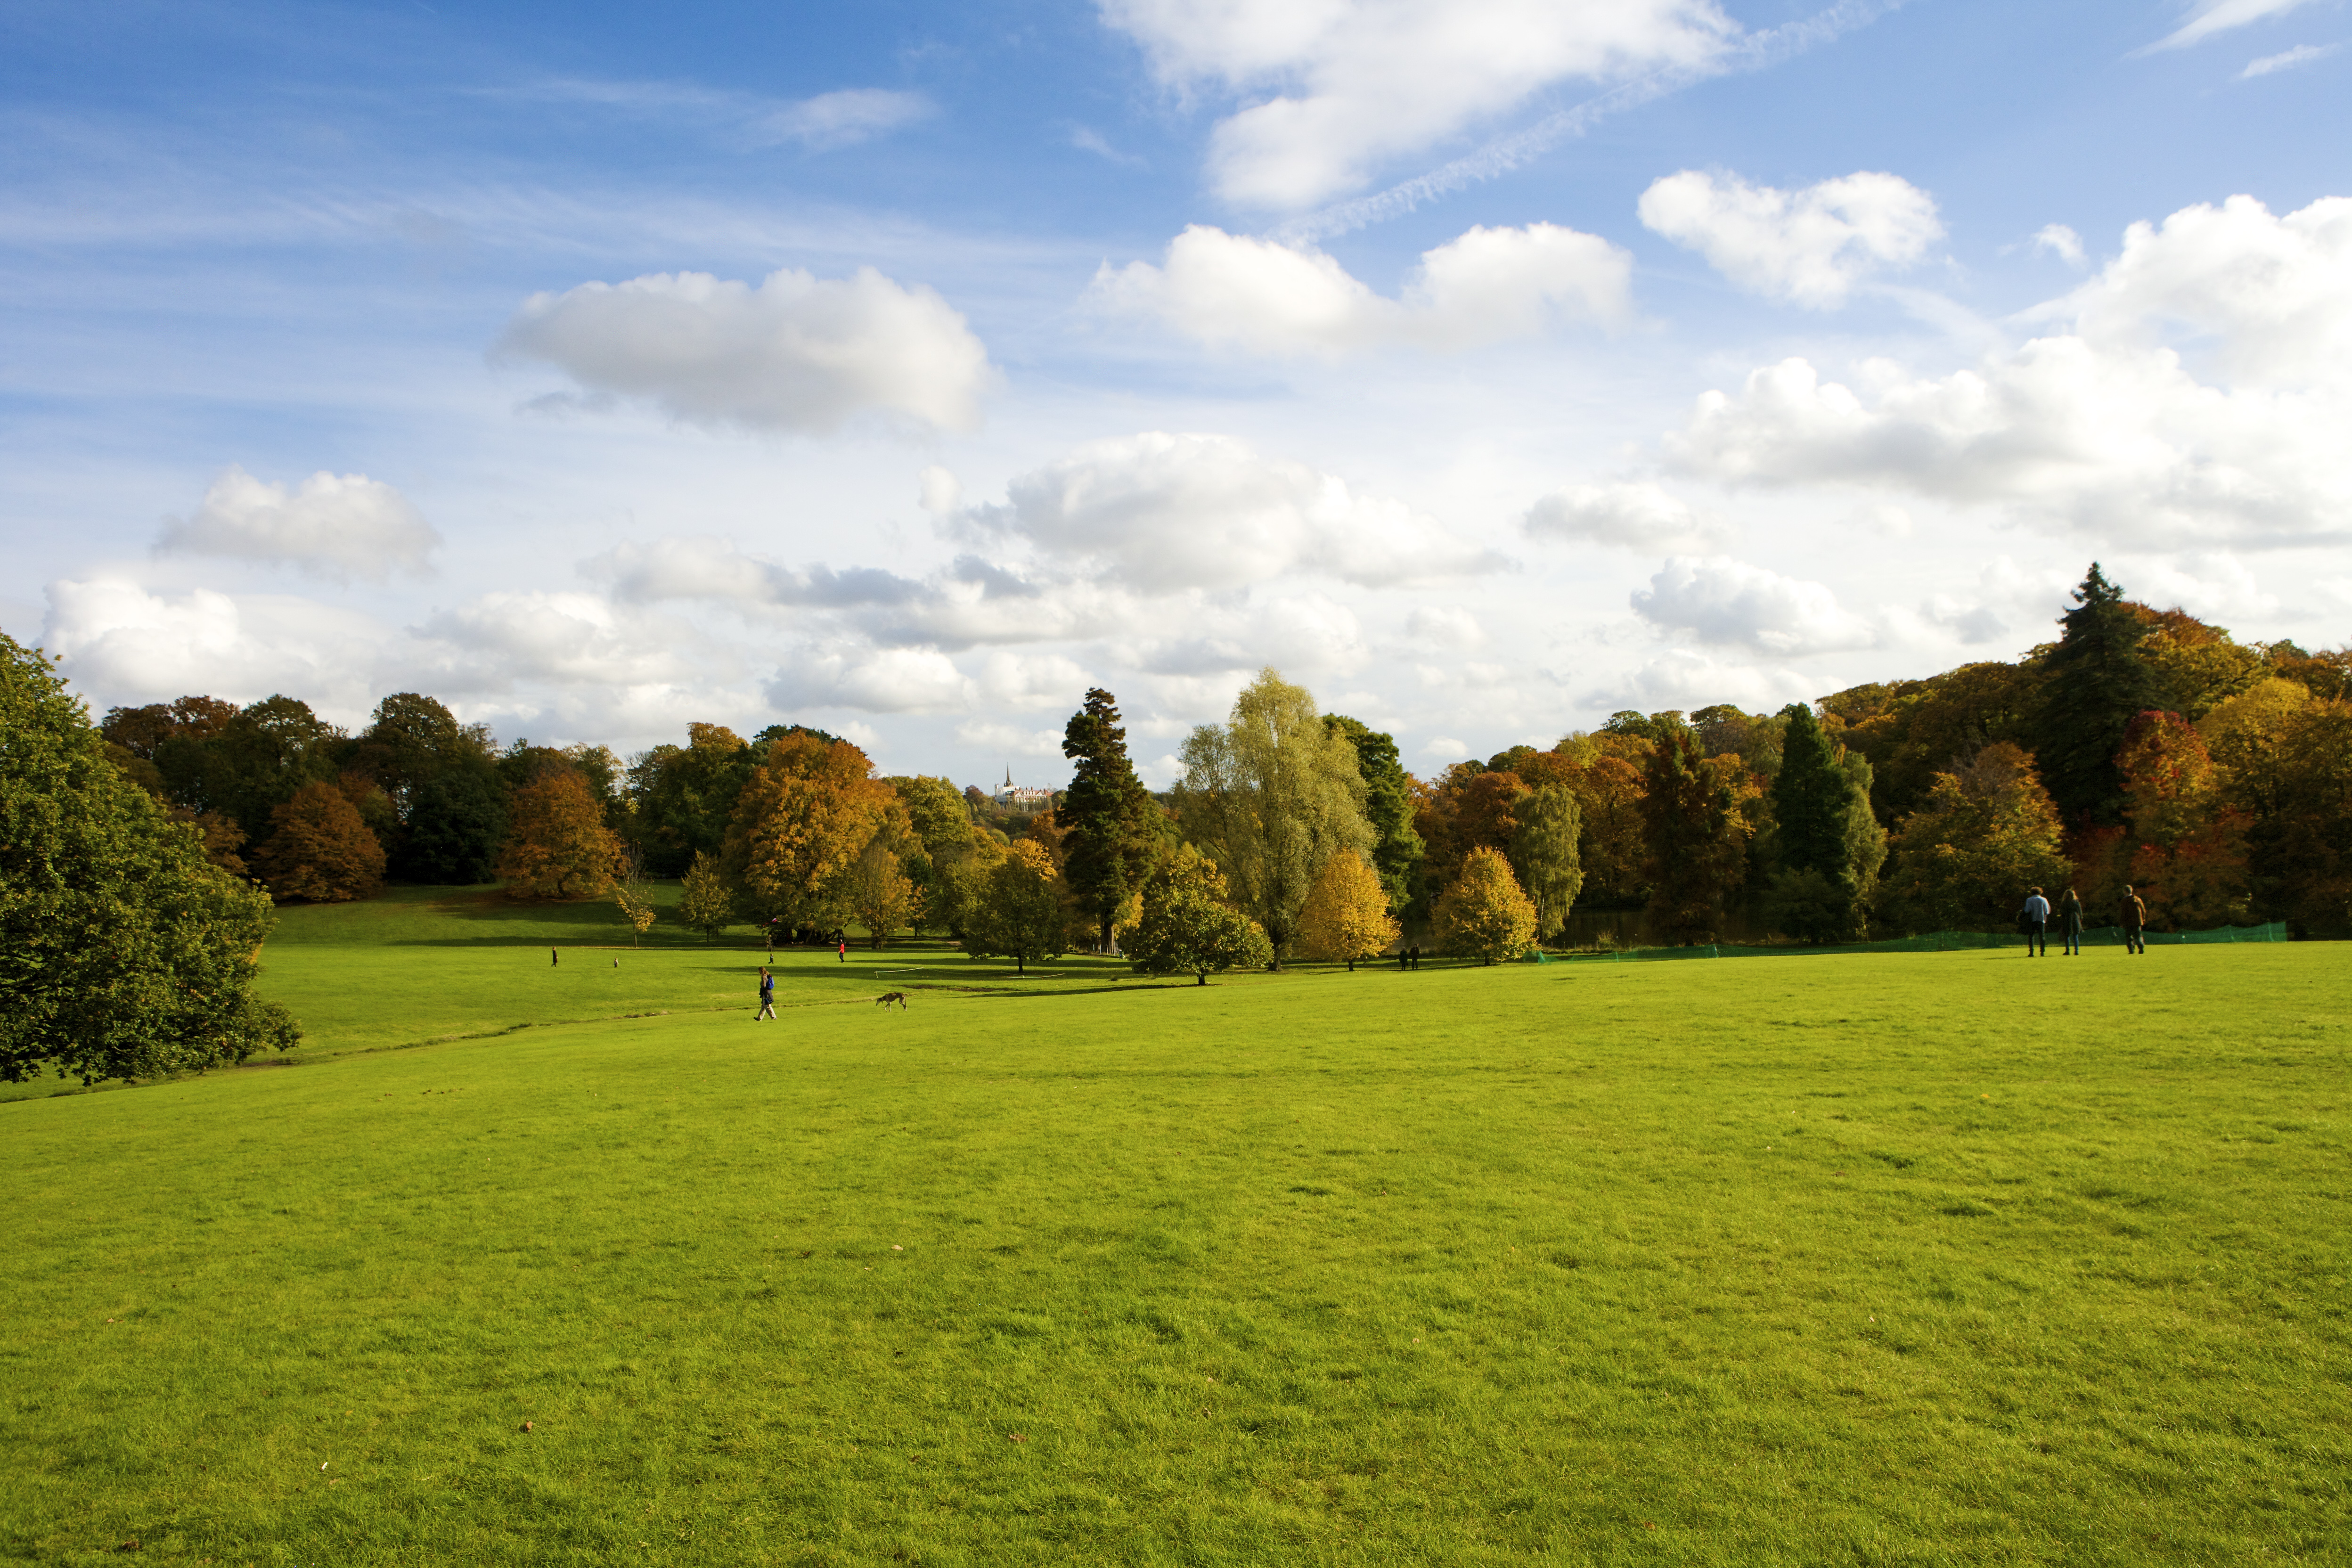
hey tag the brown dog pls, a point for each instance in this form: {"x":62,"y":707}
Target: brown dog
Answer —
{"x":897,"y":997}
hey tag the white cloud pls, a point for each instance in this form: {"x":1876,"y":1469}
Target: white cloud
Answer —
{"x":2104,"y":427}
{"x":708,"y":568}
{"x":876,"y":680}
{"x":1305,"y":634}
{"x":842,"y":118}
{"x":1343,"y":85}
{"x":2208,"y":18}
{"x":796,"y":354}
{"x":1487,"y":286}
{"x":2062,"y":242}
{"x":1165,"y":512}
{"x":338,"y":526}
{"x":1445,"y":627}
{"x":1445,"y":748}
{"x":1034,"y":680}
{"x":493,"y":641}
{"x":2286,"y":59}
{"x":1010,"y":740}
{"x":1719,"y":600}
{"x":117,"y":637}
{"x":1637,"y":516}
{"x":1689,"y":679}
{"x":1809,"y":247}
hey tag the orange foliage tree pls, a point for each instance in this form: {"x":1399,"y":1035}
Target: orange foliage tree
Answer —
{"x":319,"y":849}
{"x":557,"y":843}
{"x":800,"y":825}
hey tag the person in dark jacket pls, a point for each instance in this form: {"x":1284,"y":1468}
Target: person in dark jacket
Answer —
{"x":2070,"y":916}
{"x":2034,"y":921}
{"x":2131,"y":915}
{"x":767,"y":996}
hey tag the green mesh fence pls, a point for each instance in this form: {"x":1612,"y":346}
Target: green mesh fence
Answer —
{"x":1933,"y":941}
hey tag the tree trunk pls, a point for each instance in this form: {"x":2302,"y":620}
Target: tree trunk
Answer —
{"x":1200,"y":977}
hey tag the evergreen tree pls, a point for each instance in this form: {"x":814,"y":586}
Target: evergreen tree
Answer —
{"x":2094,"y":684}
{"x":1109,"y":824}
{"x":1695,"y":838}
{"x":1814,"y":800}
{"x":1396,"y":849}
{"x":457,"y":825}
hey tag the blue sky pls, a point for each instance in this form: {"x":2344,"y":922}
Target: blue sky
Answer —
{"x":1486,"y":365}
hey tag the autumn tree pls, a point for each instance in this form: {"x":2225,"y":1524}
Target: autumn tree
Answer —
{"x":1346,"y":916}
{"x":1964,"y":859}
{"x":123,"y":954}
{"x":1397,"y":847}
{"x":1546,"y":855}
{"x":1187,"y":928}
{"x":1269,"y":796}
{"x":943,"y":837}
{"x":705,"y":903}
{"x":557,"y":843}
{"x":2187,"y":843}
{"x":1110,"y":822}
{"x":881,"y":895}
{"x":319,"y":849}
{"x":633,"y":894}
{"x":1694,"y":837}
{"x":1019,"y":916}
{"x":803,"y":818}
{"x":1483,"y":913}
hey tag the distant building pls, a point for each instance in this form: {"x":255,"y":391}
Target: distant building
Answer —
{"x":1019,"y":797}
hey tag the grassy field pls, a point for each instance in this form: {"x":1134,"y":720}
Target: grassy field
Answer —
{"x":1948,"y":1258}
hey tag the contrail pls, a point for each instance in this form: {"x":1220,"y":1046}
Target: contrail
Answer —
{"x":1755,"y":52}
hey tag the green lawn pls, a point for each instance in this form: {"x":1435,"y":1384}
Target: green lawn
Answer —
{"x":1960,"y":1257}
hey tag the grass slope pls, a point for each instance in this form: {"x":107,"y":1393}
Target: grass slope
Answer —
{"x":1951,"y":1258}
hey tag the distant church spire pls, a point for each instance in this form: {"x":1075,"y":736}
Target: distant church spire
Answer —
{"x":1008,"y":778}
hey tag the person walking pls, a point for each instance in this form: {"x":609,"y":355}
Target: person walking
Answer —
{"x":2131,"y":915}
{"x":767,"y":996}
{"x":842,"y":952}
{"x":553,"y":958}
{"x":2035,"y":921}
{"x":2070,"y":912}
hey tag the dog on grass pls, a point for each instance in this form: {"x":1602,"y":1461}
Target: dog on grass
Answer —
{"x":897,"y":997}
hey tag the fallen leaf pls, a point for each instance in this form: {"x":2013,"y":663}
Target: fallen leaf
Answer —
{"x":1019,"y":1438}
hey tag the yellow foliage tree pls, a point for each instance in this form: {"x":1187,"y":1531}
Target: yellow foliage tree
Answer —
{"x":320,"y":849}
{"x":557,"y":843}
{"x":1484,"y":912}
{"x":881,"y":895}
{"x":800,"y":826}
{"x":1020,"y":916}
{"x":1346,"y":916}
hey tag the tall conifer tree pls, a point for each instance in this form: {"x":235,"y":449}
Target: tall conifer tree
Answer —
{"x":1108,"y":819}
{"x":2094,"y":684}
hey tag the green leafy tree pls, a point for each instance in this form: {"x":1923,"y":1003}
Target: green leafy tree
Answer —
{"x":1484,"y":915}
{"x":1187,"y":928}
{"x":457,"y":825}
{"x":123,"y":952}
{"x":683,"y":797}
{"x":2092,"y":685}
{"x":1397,"y":847}
{"x":1270,"y":796}
{"x":1964,"y":860}
{"x":1109,"y":821}
{"x":1546,"y":854}
{"x":1020,"y":914}
{"x":1694,"y":837}
{"x":705,"y":903}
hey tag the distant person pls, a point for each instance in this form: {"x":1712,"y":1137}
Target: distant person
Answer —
{"x":552,"y":958}
{"x":2070,"y":915}
{"x":767,"y":996}
{"x":2034,"y":919}
{"x":2131,"y":915}
{"x":1416,"y":957}
{"x":842,"y":949}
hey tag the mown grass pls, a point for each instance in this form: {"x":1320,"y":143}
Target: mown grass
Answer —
{"x":1955,"y":1259}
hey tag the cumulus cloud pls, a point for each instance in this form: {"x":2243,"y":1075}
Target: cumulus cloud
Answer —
{"x":712,"y":568}
{"x":1034,"y":680}
{"x":1164,"y":513}
{"x":2062,"y":242}
{"x":873,"y":679}
{"x":1445,"y":627}
{"x":115,"y":637}
{"x":1719,"y":600}
{"x":1011,"y":741}
{"x":1489,"y":285}
{"x":2207,"y":17}
{"x":2104,"y":427}
{"x":497,"y":640}
{"x":1637,"y":516}
{"x":1688,"y":679}
{"x":337,"y":526}
{"x":796,"y":354}
{"x":1809,"y":247}
{"x":1304,"y":633}
{"x":1342,"y":85}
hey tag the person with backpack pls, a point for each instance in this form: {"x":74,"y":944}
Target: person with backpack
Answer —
{"x":2131,"y":915}
{"x":2035,"y":921}
{"x":767,"y":996}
